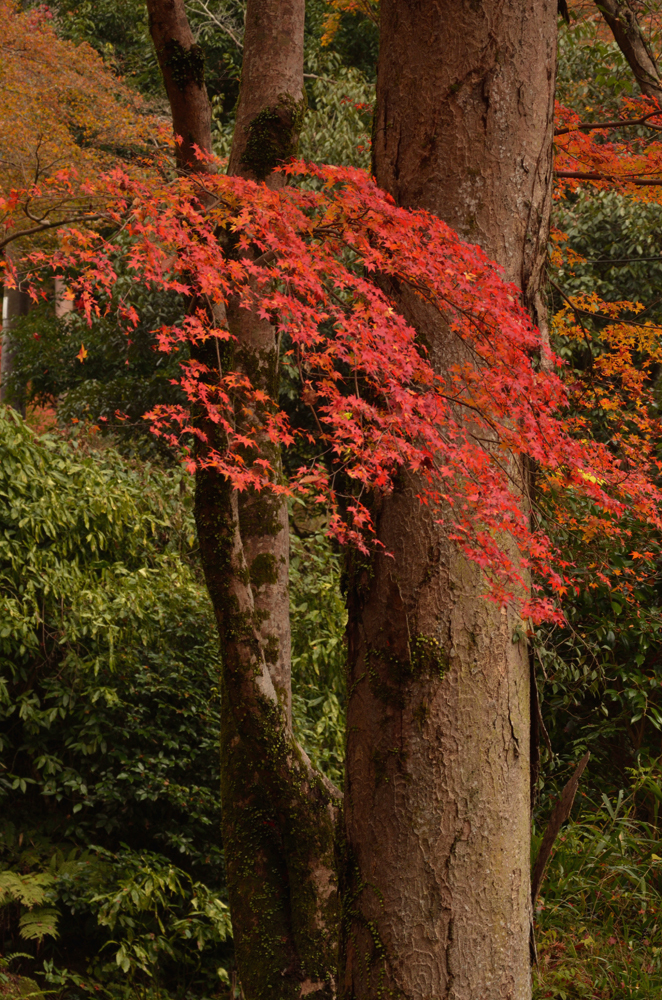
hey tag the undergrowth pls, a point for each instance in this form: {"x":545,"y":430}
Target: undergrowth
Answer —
{"x":599,"y":914}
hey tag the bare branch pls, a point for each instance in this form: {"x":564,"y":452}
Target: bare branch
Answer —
{"x":221,"y":21}
{"x":20,"y":233}
{"x":560,"y":814}
{"x":579,"y":176}
{"x":619,"y":123}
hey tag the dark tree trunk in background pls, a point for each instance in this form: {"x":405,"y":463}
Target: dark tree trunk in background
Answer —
{"x":279,"y":815}
{"x":15,"y":304}
{"x":629,"y":37}
{"x":437,"y":799}
{"x":182,"y":65}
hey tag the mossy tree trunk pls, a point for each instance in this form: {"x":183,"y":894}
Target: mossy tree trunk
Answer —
{"x":436,"y":862}
{"x":279,"y":815}
{"x":437,"y":796}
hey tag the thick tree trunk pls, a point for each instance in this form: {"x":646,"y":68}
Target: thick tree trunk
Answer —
{"x":629,"y":37}
{"x":279,"y":815}
{"x":437,"y":790}
{"x":272,"y":99}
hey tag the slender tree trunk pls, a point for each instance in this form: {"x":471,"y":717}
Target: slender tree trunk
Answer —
{"x":279,"y":815}
{"x":437,"y":798}
{"x":183,"y":67}
{"x":629,"y":37}
{"x":14,"y":305}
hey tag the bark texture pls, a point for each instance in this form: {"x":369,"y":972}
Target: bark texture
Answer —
{"x":271,"y":100}
{"x":437,"y":799}
{"x":630,"y":39}
{"x":182,"y":64}
{"x":279,"y":815}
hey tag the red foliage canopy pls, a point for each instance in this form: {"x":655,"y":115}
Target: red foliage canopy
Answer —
{"x":307,"y":260}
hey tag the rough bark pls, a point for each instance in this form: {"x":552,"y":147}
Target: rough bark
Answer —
{"x":437,"y":798}
{"x":279,"y":815}
{"x":629,"y":37}
{"x":269,"y":117}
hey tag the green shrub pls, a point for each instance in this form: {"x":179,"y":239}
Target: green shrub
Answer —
{"x":318,"y":651}
{"x":111,"y":867}
{"x":110,"y":855}
{"x":599,"y":914}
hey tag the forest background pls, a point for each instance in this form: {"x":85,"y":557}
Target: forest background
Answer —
{"x":112,"y":869}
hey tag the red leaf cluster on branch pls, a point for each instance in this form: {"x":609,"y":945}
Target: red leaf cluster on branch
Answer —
{"x":586,"y":152}
{"x":315,"y":263}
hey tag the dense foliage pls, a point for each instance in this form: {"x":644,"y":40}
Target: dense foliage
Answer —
{"x":109,"y":847}
{"x":109,"y":717}
{"x":111,"y":868}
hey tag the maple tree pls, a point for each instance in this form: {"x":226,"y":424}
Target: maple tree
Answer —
{"x":66,"y":118}
{"x":322,"y":275}
{"x":378,"y":404}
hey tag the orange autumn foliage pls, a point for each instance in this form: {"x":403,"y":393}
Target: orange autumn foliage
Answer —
{"x":65,"y":118}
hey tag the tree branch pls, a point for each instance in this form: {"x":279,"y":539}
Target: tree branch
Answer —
{"x":619,"y":123}
{"x":560,"y":814}
{"x":48,"y":225}
{"x":591,"y":176}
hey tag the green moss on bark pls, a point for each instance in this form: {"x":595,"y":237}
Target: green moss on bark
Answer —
{"x":259,"y":514}
{"x":264,"y":570}
{"x":276,"y":829}
{"x":390,"y":674}
{"x":185,"y":65}
{"x":273,"y":135}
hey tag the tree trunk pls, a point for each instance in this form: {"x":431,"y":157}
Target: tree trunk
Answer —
{"x":14,"y":305}
{"x":182,"y":64}
{"x":279,"y":815}
{"x":437,"y":797}
{"x":629,"y":37}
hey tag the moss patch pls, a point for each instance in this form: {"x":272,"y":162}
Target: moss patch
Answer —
{"x":429,"y":656}
{"x":264,"y":569}
{"x":273,"y":135}
{"x":186,"y":65}
{"x":276,"y":828}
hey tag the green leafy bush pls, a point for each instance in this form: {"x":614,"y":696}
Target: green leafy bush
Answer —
{"x":318,"y":651}
{"x":111,"y":868}
{"x":108,"y":721}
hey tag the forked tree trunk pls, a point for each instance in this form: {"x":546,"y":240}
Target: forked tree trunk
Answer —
{"x":437,"y":797}
{"x":279,"y":815}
